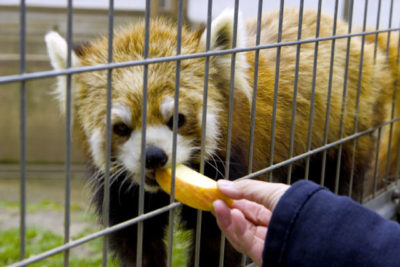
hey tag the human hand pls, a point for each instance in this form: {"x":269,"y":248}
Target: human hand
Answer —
{"x":245,"y":224}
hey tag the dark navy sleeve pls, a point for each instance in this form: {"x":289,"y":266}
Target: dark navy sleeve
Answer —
{"x":311,"y":226}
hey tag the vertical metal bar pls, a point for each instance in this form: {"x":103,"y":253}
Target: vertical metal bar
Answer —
{"x":231,"y":102}
{"x":328,"y":101}
{"x":68,"y":136}
{"x":276,"y":86}
{"x":311,"y":115}
{"x":255,"y":85}
{"x":175,"y":133}
{"x":254,"y":99}
{"x":388,"y":159}
{"x":344,"y":97}
{"x":360,"y":77}
{"x":397,"y":170}
{"x":205,"y":90}
{"x":294,"y":102}
{"x":143,"y":139}
{"x":232,"y":89}
{"x":378,"y":144}
{"x":198,"y":239}
{"x":22,"y":67}
{"x":203,"y":129}
{"x":378,"y":16}
{"x":106,"y":192}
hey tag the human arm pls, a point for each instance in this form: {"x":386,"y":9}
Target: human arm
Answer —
{"x":310,"y":226}
{"x":245,"y":224}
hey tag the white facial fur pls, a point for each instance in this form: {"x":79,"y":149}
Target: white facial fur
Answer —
{"x":96,"y":142}
{"x":212,"y":125}
{"x":161,"y":136}
{"x":167,"y":107}
{"x":121,"y":112}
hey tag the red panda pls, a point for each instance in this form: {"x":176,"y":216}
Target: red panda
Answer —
{"x":89,"y":91}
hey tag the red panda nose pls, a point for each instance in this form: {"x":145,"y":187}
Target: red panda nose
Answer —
{"x":155,"y":157}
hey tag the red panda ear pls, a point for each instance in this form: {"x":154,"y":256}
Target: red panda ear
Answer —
{"x":80,"y":48}
{"x":57,"y":50}
{"x":222,"y":32}
{"x":199,"y":31}
{"x":221,"y":38}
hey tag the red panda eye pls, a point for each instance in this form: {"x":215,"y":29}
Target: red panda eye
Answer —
{"x":181,"y":121}
{"x":122,"y":129}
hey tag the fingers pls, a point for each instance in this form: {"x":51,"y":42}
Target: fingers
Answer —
{"x":267,"y":194}
{"x":250,"y":237}
{"x":256,"y":213}
{"x":222,"y":213}
{"x":242,"y":234}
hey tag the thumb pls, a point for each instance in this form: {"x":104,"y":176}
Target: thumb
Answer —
{"x":267,"y":194}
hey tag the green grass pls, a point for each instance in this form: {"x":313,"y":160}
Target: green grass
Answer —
{"x":39,"y":240}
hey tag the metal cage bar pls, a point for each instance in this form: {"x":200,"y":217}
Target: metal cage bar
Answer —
{"x":143,"y":139}
{"x":378,"y":12}
{"x":317,"y":150}
{"x":175,"y":131}
{"x":276,"y":85}
{"x":254,"y":99}
{"x":230,"y":114}
{"x":53,"y":73}
{"x":296,"y":80}
{"x":358,"y":98}
{"x":199,"y":216}
{"x":344,"y":98}
{"x":393,"y":97}
{"x":255,"y":80}
{"x":107,"y":174}
{"x":95,"y":235}
{"x":22,"y":48}
{"x":328,"y":100}
{"x":68,"y":137}
{"x":314,"y":80}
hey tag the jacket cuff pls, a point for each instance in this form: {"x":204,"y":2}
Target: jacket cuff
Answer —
{"x":283,"y":219}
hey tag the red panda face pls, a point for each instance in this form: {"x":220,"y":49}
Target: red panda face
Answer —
{"x":127,"y":133}
{"x":89,"y":91}
{"x":127,"y":118}
{"x":90,"y":108}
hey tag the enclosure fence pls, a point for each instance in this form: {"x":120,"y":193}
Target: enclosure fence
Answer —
{"x":383,"y":201}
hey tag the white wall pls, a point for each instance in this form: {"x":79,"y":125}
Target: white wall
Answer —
{"x":198,"y":9}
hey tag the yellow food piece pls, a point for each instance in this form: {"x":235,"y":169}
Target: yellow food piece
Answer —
{"x":191,"y":187}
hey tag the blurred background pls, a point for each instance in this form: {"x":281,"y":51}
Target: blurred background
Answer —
{"x":45,"y":135}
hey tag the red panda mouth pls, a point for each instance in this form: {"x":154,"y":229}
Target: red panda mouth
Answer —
{"x":150,"y":178}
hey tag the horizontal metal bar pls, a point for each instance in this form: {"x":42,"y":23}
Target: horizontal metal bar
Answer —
{"x":95,"y":235}
{"x":52,"y":73}
{"x":385,"y":204}
{"x":317,"y":150}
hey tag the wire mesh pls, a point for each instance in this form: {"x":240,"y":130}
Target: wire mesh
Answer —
{"x":208,"y":54}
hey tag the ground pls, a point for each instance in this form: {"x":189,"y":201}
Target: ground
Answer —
{"x":45,"y":200}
